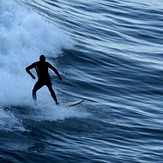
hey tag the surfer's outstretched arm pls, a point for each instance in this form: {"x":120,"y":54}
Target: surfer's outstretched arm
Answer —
{"x":55,"y":70}
{"x":28,"y":70}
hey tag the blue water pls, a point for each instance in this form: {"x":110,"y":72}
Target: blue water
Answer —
{"x":109,"y":53}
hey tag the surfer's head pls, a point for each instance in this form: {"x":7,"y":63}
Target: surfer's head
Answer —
{"x":42,"y":58}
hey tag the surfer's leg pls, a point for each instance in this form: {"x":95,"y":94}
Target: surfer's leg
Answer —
{"x":36,"y":87}
{"x":53,"y":95}
{"x":49,"y":85}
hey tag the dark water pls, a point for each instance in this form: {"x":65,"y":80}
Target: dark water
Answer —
{"x":108,"y":52}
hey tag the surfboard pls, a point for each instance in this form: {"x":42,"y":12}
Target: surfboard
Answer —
{"x":76,"y":103}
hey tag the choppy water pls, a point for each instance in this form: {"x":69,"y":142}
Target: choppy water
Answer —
{"x":108,"y":52}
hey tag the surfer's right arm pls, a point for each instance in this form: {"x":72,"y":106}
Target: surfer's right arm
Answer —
{"x":28,"y":70}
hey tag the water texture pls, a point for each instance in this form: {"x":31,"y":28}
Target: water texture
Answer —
{"x":109,"y":53}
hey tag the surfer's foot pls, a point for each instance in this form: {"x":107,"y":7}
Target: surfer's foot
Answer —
{"x":57,"y":103}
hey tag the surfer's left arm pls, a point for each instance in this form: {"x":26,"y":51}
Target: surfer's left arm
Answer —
{"x":55,"y":70}
{"x":28,"y":70}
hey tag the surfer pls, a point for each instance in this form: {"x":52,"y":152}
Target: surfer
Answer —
{"x":41,"y":68}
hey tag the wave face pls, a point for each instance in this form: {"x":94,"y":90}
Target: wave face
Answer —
{"x":108,"y":53}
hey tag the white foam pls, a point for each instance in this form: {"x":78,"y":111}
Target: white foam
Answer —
{"x":9,"y":122}
{"x":50,"y":112}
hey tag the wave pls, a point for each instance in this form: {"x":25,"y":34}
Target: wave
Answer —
{"x":24,"y":35}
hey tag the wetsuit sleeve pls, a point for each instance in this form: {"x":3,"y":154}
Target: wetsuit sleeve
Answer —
{"x":55,"y":70}
{"x":28,"y":70}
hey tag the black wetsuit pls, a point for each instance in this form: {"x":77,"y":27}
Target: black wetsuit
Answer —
{"x":43,"y":77}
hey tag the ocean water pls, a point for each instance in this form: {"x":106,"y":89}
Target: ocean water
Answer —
{"x":109,"y":53}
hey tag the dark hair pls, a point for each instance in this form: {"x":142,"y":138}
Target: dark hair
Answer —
{"x":42,"y":58}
